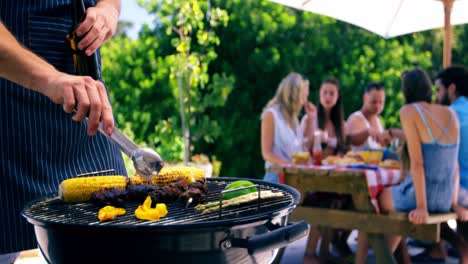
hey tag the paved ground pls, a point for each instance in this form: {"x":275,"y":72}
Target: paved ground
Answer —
{"x":295,"y":252}
{"x":31,"y":257}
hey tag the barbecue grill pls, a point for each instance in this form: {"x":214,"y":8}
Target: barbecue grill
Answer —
{"x":248,"y":233}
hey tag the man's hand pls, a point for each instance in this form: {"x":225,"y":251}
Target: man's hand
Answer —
{"x":462,"y":213}
{"x":378,"y":136}
{"x":99,"y":25}
{"x":84,"y":94}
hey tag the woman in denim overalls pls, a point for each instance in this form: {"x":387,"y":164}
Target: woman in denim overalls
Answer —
{"x":432,"y":136}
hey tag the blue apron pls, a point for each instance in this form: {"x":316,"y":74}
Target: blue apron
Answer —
{"x":40,"y":145}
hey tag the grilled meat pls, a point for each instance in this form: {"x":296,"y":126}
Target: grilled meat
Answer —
{"x":139,"y":192}
{"x":169,"y":193}
{"x":196,"y":192}
{"x":113,"y":196}
{"x":178,"y":189}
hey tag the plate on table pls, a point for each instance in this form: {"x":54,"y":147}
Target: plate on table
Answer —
{"x":390,"y":164}
{"x":326,"y":167}
{"x":363,"y":166}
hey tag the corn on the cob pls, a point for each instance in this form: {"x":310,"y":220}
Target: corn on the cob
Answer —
{"x":80,"y":189}
{"x":170,"y":174}
{"x":137,"y":180}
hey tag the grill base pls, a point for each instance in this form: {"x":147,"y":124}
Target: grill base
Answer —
{"x":74,"y":246}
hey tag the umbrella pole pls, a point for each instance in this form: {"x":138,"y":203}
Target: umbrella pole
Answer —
{"x":447,"y":56}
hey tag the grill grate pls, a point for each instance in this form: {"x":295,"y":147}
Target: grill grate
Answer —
{"x":53,"y":210}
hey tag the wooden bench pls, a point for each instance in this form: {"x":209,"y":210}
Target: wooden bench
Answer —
{"x":391,"y":224}
{"x":362,"y":217}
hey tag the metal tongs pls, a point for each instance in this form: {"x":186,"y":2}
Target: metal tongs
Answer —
{"x":145,"y":160}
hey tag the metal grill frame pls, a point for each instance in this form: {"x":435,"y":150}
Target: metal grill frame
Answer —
{"x":39,"y":212}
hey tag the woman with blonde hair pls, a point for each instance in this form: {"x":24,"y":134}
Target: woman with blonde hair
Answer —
{"x":281,"y":133}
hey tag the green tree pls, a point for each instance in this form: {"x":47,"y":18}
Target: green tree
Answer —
{"x":185,"y":22}
{"x":265,"y":41}
{"x":168,"y":64}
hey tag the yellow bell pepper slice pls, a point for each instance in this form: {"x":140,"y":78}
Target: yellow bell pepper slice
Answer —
{"x":109,"y":212}
{"x":146,"y":212}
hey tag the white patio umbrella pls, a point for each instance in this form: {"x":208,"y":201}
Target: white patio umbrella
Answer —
{"x":390,"y":18}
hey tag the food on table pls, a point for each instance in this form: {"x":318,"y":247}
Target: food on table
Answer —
{"x":170,"y":174}
{"x":146,"y":212}
{"x":109,"y":212}
{"x":354,"y":156}
{"x":348,"y":159}
{"x":373,"y":157}
{"x":362,"y":157}
{"x":390,"y":164}
{"x":113,"y":196}
{"x":238,"y":184}
{"x":300,"y":158}
{"x":331,"y":160}
{"x":80,"y":189}
{"x":246,"y":198}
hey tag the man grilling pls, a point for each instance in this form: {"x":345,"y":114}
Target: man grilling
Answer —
{"x":41,"y":141}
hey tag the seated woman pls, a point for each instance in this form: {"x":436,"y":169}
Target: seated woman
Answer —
{"x":328,"y":118}
{"x":432,"y":138}
{"x":281,"y":134}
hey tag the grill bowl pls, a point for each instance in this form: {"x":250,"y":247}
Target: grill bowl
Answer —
{"x":71,"y":233}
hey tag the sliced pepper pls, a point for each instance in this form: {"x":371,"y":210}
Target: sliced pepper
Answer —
{"x":238,"y":184}
{"x":109,"y":212}
{"x":146,"y":212}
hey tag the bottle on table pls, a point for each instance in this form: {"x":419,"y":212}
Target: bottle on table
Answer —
{"x":317,"y":149}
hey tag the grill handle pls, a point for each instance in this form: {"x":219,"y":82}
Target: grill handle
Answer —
{"x":278,"y":238}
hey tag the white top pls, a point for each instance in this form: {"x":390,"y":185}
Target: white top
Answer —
{"x":370,"y":142}
{"x":286,"y":141}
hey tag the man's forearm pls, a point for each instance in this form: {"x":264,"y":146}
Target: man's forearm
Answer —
{"x":397,"y":133}
{"x":358,"y":138}
{"x":20,"y":65}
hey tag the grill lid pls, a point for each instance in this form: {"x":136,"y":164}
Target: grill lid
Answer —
{"x":50,"y":210}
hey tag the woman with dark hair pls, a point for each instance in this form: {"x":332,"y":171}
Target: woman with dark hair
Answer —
{"x":432,"y":138}
{"x":329,"y":118}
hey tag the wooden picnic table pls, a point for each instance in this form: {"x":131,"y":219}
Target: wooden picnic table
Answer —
{"x":363,"y":216}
